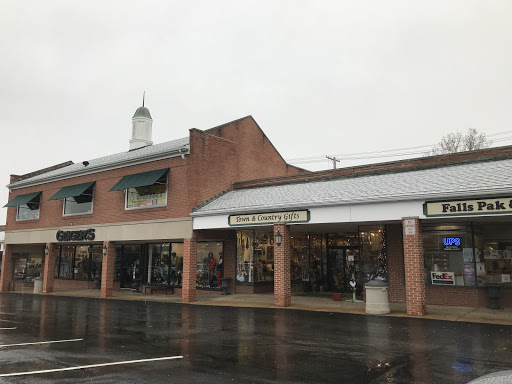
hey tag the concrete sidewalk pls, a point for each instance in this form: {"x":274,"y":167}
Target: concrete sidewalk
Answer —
{"x":306,"y":302}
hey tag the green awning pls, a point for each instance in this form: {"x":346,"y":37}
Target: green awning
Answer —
{"x":139,"y":180}
{"x":72,"y":191}
{"x":22,"y":199}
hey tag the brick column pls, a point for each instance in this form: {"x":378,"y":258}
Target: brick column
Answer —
{"x":49,"y":268}
{"x":188,"y":283}
{"x":6,"y":276}
{"x":282,"y":268}
{"x":230,"y":263}
{"x":107,"y":269}
{"x":415,"y":297}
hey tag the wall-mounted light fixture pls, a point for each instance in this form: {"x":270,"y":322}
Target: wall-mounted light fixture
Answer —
{"x":46,"y":250}
{"x":104,"y":250}
{"x":278,"y":238}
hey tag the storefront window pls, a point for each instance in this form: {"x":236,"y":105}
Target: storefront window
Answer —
{"x":27,"y":266}
{"x":210,"y":264}
{"x":149,"y":196}
{"x":255,"y":256}
{"x":79,"y":205}
{"x":117,"y":263}
{"x":29,"y":211}
{"x":374,"y":262}
{"x":81,"y":262}
{"x":493,"y":254}
{"x":66,"y":262}
{"x":317,"y":258}
{"x":449,"y":256}
{"x":159,"y":263}
{"x":176,"y":264}
{"x":299,"y":257}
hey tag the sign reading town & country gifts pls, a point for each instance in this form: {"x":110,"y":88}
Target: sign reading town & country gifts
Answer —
{"x":270,"y":218}
{"x":489,"y":206}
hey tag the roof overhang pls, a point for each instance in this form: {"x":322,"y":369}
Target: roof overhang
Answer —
{"x":91,"y":169}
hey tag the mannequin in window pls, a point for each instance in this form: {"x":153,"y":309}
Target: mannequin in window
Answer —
{"x":212,"y":263}
{"x":220,"y":268}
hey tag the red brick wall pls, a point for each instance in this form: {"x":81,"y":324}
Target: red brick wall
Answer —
{"x":65,"y":284}
{"x":188,"y":283}
{"x":107,"y":269}
{"x":49,"y":268}
{"x":395,"y":253}
{"x":401,"y":165}
{"x":414,"y":270}
{"x":218,"y":157}
{"x":282,"y":268}
{"x":6,"y":274}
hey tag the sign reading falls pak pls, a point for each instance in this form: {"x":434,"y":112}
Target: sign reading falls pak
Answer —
{"x":487,"y":206}
{"x":270,"y":218}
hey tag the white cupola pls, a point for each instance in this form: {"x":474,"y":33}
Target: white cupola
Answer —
{"x":142,"y":125}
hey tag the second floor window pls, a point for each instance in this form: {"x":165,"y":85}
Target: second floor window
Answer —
{"x":81,"y":204}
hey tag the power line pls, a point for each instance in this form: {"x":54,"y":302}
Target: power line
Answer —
{"x":358,"y":155}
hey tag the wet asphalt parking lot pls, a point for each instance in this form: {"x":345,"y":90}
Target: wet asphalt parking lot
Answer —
{"x":73,"y":338}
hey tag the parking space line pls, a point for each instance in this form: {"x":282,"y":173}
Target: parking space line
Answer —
{"x":9,"y":328}
{"x":38,"y":342}
{"x":90,"y":366}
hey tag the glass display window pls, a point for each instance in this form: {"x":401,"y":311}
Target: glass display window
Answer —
{"x":159,"y":263}
{"x":149,"y":196}
{"x":449,"y":255}
{"x":255,"y":256}
{"x":29,"y":211}
{"x":299,"y":256}
{"x":210,"y":264}
{"x":176,"y":273}
{"x":82,"y":264}
{"x":493,"y":253}
{"x":65,"y":262}
{"x":373,"y":263}
{"x":79,"y":205}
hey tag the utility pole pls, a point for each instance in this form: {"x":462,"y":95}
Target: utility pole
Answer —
{"x":334,"y":160}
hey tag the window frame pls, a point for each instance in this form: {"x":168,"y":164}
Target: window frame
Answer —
{"x":64,"y":214}
{"x":156,"y":206}
{"x":26,"y":205}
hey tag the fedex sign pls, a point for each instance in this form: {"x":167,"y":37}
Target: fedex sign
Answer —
{"x":442,"y":278}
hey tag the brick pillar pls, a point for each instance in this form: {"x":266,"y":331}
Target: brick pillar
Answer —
{"x":107,"y":269}
{"x":6,"y":276}
{"x":49,"y":268}
{"x":282,"y":268}
{"x":230,"y":263}
{"x":188,"y":283}
{"x":415,"y":297}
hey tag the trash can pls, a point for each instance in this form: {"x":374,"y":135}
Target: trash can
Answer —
{"x":38,"y":285}
{"x":377,"y":299}
{"x":493,"y":293}
{"x":225,"y":285}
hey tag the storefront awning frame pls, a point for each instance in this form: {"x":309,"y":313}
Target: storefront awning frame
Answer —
{"x":142,"y":179}
{"x":22,"y":199}
{"x":71,"y":191}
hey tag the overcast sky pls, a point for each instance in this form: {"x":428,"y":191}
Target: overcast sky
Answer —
{"x":320,"y":77}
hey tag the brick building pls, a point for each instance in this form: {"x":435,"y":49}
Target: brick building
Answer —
{"x":126,"y":217}
{"x":222,"y":203}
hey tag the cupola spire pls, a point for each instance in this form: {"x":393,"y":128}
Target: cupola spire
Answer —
{"x":142,"y":126}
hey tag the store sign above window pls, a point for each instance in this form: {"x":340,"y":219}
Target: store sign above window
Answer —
{"x":270,"y":218}
{"x":491,"y":206}
{"x":87,"y":234}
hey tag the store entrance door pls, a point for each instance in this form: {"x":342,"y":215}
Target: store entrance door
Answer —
{"x":341,"y":263}
{"x":131,"y":266}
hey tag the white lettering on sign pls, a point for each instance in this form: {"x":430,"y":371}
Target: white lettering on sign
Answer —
{"x":269,"y":218}
{"x":410,"y":226}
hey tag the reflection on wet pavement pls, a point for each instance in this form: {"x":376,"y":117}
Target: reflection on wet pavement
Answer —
{"x":252,"y":345}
